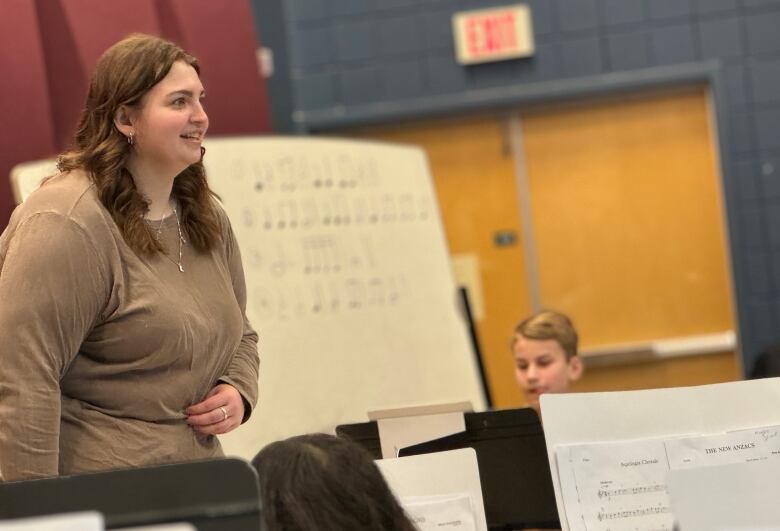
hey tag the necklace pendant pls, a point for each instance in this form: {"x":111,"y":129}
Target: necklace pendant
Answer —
{"x":181,"y":268}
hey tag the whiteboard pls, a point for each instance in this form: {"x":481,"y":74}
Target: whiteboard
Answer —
{"x":349,"y":282}
{"x":27,"y":177}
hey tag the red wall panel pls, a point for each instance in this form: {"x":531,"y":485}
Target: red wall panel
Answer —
{"x":27,"y":129}
{"x":222,"y":36}
{"x":76,"y":33}
{"x":48,"y":49}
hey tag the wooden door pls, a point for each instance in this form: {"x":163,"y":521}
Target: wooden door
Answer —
{"x":629,"y":225}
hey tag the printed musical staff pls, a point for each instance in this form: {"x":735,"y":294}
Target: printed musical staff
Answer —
{"x":631,"y":491}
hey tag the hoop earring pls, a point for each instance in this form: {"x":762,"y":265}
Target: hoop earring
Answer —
{"x":202,"y":152}
{"x":130,"y":139}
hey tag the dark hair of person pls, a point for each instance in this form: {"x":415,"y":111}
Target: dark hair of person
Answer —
{"x":319,"y":482}
{"x":123,"y":75}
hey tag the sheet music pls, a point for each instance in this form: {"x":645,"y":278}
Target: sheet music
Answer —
{"x":739,"y":446}
{"x":615,"y":486}
{"x":445,"y":512}
{"x":621,"y":486}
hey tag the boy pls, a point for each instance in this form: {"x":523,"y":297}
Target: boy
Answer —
{"x":544,"y":347}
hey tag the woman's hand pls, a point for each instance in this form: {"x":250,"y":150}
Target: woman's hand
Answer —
{"x":221,"y":412}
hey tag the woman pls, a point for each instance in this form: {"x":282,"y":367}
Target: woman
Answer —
{"x":319,"y":482}
{"x":124,"y":335}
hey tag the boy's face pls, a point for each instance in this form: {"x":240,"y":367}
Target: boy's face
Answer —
{"x":541,"y":367}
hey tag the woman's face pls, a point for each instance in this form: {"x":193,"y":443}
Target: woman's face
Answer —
{"x":541,"y":367}
{"x":170,"y":123}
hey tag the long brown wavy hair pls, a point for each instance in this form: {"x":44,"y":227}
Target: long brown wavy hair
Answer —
{"x":123,"y":75}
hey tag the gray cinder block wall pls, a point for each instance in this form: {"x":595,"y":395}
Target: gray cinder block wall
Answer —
{"x":353,"y":62}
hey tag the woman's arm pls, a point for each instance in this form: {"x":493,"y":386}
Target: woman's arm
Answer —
{"x":52,"y":291}
{"x":242,"y":372}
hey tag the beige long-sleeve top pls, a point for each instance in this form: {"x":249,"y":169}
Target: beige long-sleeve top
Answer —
{"x":101,"y":350}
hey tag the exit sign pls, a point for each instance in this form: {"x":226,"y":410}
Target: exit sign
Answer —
{"x":493,"y":34}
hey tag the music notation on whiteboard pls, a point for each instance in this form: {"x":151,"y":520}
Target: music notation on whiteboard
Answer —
{"x":325,"y":217}
{"x":348,"y":280}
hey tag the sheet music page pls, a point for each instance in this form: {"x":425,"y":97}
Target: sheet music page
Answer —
{"x":617,"y":486}
{"x":447,"y":512}
{"x":740,"y":446}
{"x":621,"y":486}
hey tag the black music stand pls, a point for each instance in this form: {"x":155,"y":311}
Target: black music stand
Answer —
{"x":212,"y":495}
{"x":514,"y":468}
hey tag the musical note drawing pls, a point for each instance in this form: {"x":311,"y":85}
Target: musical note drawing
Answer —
{"x":285,"y":167}
{"x":262,"y":301}
{"x":376,"y":292}
{"x":389,"y":213}
{"x":268,"y":220}
{"x":263,"y":176}
{"x":327,"y":212}
{"x":318,"y":297}
{"x":282,"y":307}
{"x":308,"y":212}
{"x":248,"y":217}
{"x":394,"y":286}
{"x":355,"y":293}
{"x":373,"y":210}
{"x":341,"y":208}
{"x":423,"y":208}
{"x":255,"y":258}
{"x":280,"y":265}
{"x":345,"y":168}
{"x":320,"y":254}
{"x":406,"y":206}
{"x":360,"y":209}
{"x":287,"y":210}
{"x":335,"y":296}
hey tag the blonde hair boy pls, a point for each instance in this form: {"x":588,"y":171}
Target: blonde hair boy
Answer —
{"x":544,"y":348}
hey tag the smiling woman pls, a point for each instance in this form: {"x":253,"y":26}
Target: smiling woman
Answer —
{"x":131,"y":345}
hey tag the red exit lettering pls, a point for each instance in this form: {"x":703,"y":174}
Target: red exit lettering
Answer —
{"x":490,"y":34}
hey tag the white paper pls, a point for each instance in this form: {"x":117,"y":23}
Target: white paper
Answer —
{"x":736,"y":497}
{"x":84,"y":521}
{"x":397,"y":433}
{"x":453,"y":472}
{"x":616,"y":486}
{"x":452,"y":512}
{"x":741,"y":446}
{"x":586,"y":418}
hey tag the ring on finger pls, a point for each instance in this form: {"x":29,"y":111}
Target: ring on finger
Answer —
{"x":224,"y":412}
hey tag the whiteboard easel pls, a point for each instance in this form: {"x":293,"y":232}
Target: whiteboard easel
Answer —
{"x":348,"y":279}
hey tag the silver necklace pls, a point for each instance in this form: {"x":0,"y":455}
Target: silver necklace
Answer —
{"x":182,"y":241}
